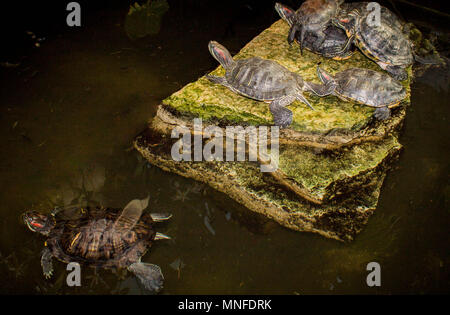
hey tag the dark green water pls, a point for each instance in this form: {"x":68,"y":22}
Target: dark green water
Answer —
{"x":68,"y":115}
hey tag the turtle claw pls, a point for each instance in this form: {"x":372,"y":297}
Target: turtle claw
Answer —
{"x":160,"y":217}
{"x":160,"y":236}
{"x":48,"y":274}
{"x":46,"y":263}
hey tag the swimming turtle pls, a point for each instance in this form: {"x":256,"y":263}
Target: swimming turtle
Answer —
{"x":101,"y":237}
{"x":334,"y":44}
{"x":264,"y":80}
{"x":385,"y":43}
{"x":313,"y":16}
{"x":367,"y":87}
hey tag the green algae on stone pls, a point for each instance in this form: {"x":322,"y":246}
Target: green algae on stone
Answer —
{"x":327,"y":174}
{"x":340,"y":219}
{"x":214,"y":102}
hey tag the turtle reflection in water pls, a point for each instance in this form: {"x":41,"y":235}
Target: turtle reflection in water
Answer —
{"x":99,"y":237}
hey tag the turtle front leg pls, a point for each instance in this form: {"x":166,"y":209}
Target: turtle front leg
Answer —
{"x":321,"y":89}
{"x":219,"y":80}
{"x":150,"y":275}
{"x":293,"y":32}
{"x":46,"y":263}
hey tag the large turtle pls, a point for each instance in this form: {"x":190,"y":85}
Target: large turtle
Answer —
{"x":334,"y":44}
{"x":99,"y":237}
{"x":264,"y":80}
{"x":385,"y":43}
{"x":367,"y":87}
{"x":313,"y":16}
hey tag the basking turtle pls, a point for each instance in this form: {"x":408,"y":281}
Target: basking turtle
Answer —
{"x":346,"y":8}
{"x":264,"y":80}
{"x":386,"y":43}
{"x":99,"y":237}
{"x":313,"y":16}
{"x":367,"y":87}
{"x":334,"y":44}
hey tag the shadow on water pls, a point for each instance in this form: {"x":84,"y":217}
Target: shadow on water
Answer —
{"x":70,"y":109}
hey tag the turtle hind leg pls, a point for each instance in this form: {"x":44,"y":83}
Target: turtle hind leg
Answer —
{"x":46,"y":262}
{"x":398,"y":73}
{"x":150,"y":275}
{"x":282,"y":116}
{"x":382,"y":113}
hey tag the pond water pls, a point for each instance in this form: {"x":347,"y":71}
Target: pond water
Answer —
{"x":70,"y":110}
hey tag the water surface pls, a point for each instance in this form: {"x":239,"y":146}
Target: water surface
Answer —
{"x":69,"y":113}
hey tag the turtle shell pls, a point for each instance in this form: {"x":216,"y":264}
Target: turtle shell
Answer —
{"x":362,"y":7}
{"x":334,"y":42}
{"x":387,"y":42}
{"x":368,"y":87}
{"x":261,"y":79}
{"x":314,"y":13}
{"x":92,"y":239}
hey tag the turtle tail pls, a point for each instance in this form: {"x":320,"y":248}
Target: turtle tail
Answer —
{"x":221,"y":54}
{"x":428,"y":60}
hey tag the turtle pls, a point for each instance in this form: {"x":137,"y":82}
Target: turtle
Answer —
{"x":313,"y":16}
{"x":347,"y":7}
{"x":367,"y":87}
{"x":387,"y":43}
{"x":333,"y":46}
{"x":102,"y":238}
{"x":263,"y":80}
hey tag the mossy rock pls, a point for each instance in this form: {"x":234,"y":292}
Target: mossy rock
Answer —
{"x":325,"y":175}
{"x":315,"y":174}
{"x":332,"y":160}
{"x":218,"y":104}
{"x":341,"y":219}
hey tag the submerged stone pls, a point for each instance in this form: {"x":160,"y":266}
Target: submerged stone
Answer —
{"x":342,"y":218}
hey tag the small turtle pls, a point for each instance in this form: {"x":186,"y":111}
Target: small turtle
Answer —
{"x":334,"y":45}
{"x":313,"y":16}
{"x":264,"y":80}
{"x":367,"y":87}
{"x":99,"y":237}
{"x":385,"y":43}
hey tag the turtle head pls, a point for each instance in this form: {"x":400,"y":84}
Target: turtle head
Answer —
{"x":38,"y":222}
{"x":346,"y":22}
{"x":325,"y":77}
{"x":221,"y":54}
{"x":286,"y":13}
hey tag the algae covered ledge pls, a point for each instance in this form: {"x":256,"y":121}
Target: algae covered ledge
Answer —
{"x":332,"y":161}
